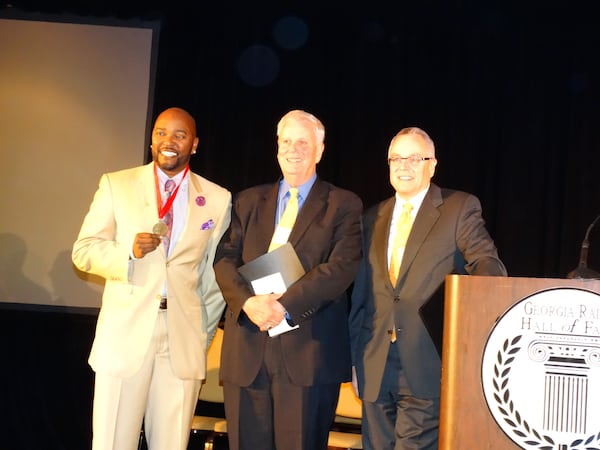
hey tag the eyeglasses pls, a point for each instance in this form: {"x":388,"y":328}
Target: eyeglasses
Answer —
{"x":412,"y":160}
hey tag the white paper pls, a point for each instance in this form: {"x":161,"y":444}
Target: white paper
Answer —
{"x":271,"y":284}
{"x":282,"y":327}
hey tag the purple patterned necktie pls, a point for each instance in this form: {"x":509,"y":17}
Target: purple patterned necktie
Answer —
{"x":168,"y":218}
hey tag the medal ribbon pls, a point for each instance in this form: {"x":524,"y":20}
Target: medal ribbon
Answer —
{"x":162,"y":210}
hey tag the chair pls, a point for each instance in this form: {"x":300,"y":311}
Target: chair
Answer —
{"x":213,"y":425}
{"x":345,"y":432}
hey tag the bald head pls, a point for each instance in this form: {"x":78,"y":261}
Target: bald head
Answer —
{"x":174,"y":140}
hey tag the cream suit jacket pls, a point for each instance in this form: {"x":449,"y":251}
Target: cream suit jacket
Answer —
{"x":125,"y":204}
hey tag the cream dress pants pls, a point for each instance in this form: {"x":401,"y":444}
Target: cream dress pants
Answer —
{"x":154,"y":394}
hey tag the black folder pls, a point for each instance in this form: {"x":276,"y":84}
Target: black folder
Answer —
{"x":282,"y":260}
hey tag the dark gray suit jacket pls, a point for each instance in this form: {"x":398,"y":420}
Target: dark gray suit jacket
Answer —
{"x":326,"y":237}
{"x":448,"y":236}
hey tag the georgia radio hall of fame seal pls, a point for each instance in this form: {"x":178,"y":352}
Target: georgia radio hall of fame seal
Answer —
{"x":541,"y":370}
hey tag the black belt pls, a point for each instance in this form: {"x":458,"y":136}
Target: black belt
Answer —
{"x":163,"y":303}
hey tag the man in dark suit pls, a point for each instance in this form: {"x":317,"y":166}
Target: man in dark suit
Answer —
{"x":396,"y":315}
{"x":281,"y":392}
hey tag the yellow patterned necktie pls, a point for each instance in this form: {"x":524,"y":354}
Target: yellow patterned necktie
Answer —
{"x":287,"y":220}
{"x":402,"y":231}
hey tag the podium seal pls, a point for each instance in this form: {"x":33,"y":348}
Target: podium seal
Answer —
{"x":541,"y":370}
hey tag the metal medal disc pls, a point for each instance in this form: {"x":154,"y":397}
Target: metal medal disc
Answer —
{"x":160,"y":228}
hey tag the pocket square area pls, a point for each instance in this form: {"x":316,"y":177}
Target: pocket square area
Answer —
{"x":208,"y":225}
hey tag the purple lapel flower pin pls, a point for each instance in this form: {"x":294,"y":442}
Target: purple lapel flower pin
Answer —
{"x":208,"y":225}
{"x":200,"y":200}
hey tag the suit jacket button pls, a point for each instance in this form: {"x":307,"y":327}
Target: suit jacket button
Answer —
{"x":396,"y":299}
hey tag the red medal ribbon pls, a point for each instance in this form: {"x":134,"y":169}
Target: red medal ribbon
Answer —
{"x":162,"y":210}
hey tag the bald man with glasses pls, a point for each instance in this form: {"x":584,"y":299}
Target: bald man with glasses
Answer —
{"x":411,"y":241}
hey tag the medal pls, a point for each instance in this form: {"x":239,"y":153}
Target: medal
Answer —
{"x":160,"y":228}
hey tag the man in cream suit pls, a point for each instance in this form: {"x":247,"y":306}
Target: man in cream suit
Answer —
{"x":161,"y":303}
{"x":396,"y":315}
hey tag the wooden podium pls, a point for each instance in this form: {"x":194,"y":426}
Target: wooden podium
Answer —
{"x":472,"y":306}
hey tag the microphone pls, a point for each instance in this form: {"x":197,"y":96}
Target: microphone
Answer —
{"x":582,"y":270}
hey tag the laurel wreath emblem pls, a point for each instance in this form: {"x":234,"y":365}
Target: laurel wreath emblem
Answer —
{"x":511,"y":415}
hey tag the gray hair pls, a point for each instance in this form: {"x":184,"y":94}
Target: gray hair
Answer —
{"x":415,"y":131}
{"x":298,"y":114}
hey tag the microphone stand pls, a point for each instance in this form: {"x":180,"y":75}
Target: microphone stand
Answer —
{"x":582,"y":270}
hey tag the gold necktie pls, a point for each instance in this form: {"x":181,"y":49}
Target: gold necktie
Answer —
{"x":287,"y":220}
{"x":402,"y":231}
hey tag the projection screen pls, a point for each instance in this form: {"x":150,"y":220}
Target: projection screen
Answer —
{"x":75,"y":102}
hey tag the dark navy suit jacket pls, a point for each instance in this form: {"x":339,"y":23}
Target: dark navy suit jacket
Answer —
{"x":326,"y":237}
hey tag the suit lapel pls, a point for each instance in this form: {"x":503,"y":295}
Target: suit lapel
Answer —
{"x":313,"y":204}
{"x":381,"y":233}
{"x":426,"y":217}
{"x":193,"y":215}
{"x":198,"y":213}
{"x":266,"y":209}
{"x":147,"y":186}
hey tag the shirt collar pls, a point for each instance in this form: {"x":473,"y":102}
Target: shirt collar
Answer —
{"x":303,"y":189}
{"x":415,"y":201}
{"x":163,"y":177}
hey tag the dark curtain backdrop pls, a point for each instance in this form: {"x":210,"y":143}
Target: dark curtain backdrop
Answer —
{"x":508,"y":90}
{"x":508,"y":93}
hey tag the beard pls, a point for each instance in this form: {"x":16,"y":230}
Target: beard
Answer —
{"x":171,"y":163}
